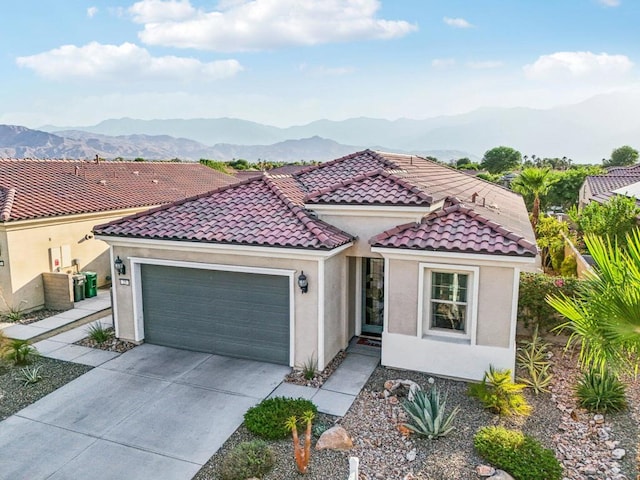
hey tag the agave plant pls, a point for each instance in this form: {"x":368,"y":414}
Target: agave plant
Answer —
{"x":427,"y":414}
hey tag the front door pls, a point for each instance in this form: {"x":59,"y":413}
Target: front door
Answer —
{"x":372,"y":295}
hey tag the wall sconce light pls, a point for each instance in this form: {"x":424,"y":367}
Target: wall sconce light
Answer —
{"x":120,"y":266}
{"x":303,"y":283}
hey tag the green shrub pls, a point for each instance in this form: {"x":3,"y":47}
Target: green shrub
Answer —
{"x":569,"y":267}
{"x":427,"y":414}
{"x":500,"y":394}
{"x":601,"y":392}
{"x":268,"y":418}
{"x":520,"y":455}
{"x":532,"y":357}
{"x":99,"y":334}
{"x":533,"y":308}
{"x":247,"y":460}
{"x":20,"y":352}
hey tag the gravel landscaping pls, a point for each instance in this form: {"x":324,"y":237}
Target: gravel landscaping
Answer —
{"x":297,"y":375}
{"x":112,"y":345}
{"x":582,"y":442}
{"x":35,"y":316}
{"x":14,"y":395}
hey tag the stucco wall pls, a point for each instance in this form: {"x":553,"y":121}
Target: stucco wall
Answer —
{"x":5,"y":273}
{"x":306,"y":305}
{"x":28,"y":243}
{"x":335,"y":323}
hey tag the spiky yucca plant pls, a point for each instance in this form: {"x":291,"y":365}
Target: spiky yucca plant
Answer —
{"x":427,"y":414}
{"x":601,"y":392}
{"x":533,"y":357}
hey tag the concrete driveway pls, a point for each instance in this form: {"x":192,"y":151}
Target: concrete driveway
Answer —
{"x":154,"y":412}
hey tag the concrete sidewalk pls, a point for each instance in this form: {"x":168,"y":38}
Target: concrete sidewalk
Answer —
{"x":337,"y":394}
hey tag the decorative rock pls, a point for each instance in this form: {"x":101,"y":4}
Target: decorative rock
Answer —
{"x":411,"y":455}
{"x":611,"y":444}
{"x":485,"y":470}
{"x":393,"y":385}
{"x":598,"y":418}
{"x":618,"y":453}
{"x":501,"y":475}
{"x":336,"y":438}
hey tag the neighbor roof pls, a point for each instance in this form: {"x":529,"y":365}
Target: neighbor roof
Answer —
{"x":599,"y":184}
{"x":277,"y":209}
{"x":48,"y":188}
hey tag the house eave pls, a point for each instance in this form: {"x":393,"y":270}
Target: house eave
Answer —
{"x":475,"y":258}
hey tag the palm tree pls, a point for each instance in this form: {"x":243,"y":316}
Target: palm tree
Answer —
{"x":533,"y":182}
{"x":605,"y":316}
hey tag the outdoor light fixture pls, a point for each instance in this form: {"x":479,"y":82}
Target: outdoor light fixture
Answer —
{"x":303,"y":283}
{"x":120,"y":266}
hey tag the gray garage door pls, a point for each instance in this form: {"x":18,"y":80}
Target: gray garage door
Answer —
{"x":228,"y":313}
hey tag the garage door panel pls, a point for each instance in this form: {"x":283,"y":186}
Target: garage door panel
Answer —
{"x":228,"y":313}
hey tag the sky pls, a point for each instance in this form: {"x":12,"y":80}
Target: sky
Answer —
{"x":290,"y":62}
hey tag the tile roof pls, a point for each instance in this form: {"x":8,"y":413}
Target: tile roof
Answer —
{"x":256,"y":212}
{"x":276,"y":209}
{"x":456,"y":228}
{"x":377,"y":187}
{"x":49,"y":188}
{"x":599,"y":184}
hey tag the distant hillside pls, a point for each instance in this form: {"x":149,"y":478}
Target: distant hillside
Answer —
{"x":22,"y":142}
{"x":585,"y":132}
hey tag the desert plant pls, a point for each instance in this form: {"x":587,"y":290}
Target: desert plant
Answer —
{"x":30,"y":375}
{"x":98,"y":333}
{"x":319,"y":428}
{"x":20,"y":352}
{"x":532,"y":357}
{"x":520,"y":455}
{"x":601,"y":391}
{"x":13,"y":314}
{"x":427,"y":414}
{"x":500,"y":394}
{"x":268,"y":418}
{"x":569,"y":267}
{"x":302,"y":454}
{"x":247,"y":460}
{"x":309,"y":368}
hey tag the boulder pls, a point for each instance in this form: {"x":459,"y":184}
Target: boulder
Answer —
{"x":485,"y":470}
{"x":336,"y":438}
{"x":501,"y":475}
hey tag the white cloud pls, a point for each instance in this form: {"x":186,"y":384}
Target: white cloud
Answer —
{"x":586,"y":65}
{"x":252,"y":25}
{"x":322,"y":70}
{"x":443,"y":62}
{"x":92,"y":11}
{"x":457,"y":22}
{"x":127,"y":61}
{"x":485,"y":64}
{"x":609,"y":3}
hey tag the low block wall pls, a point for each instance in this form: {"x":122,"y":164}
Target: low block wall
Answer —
{"x":58,"y":291}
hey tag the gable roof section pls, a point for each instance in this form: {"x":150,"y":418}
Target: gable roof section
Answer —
{"x":599,"y":184}
{"x":456,"y":228}
{"x":378,"y":187}
{"x":256,"y":212}
{"x":50,"y":188}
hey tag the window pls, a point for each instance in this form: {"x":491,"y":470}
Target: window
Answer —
{"x":448,"y":301}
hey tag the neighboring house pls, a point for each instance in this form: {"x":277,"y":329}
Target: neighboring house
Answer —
{"x":599,"y":188}
{"x":397,"y":246}
{"x":48,"y":209}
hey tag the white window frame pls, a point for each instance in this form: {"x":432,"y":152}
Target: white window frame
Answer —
{"x":424,"y":300}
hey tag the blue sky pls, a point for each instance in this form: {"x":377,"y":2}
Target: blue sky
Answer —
{"x":286,"y":62}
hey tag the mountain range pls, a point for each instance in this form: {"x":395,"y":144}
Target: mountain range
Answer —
{"x":585,"y":132}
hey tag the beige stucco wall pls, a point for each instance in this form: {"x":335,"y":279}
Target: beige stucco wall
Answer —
{"x":305,"y":305}
{"x":495,"y":295}
{"x":335,"y":321}
{"x":5,"y":273}
{"x":25,"y":246}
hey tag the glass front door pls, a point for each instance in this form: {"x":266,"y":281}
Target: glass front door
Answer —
{"x":372,"y":295}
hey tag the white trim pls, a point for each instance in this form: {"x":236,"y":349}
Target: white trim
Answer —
{"x":514,"y":309}
{"x":114,"y":295}
{"x":472,"y":302}
{"x":244,"y":250}
{"x":345,"y":301}
{"x":374,"y":211}
{"x":385,"y":292}
{"x":321,"y":296}
{"x":136,"y":285}
{"x":480,"y":259}
{"x":358,"y":304}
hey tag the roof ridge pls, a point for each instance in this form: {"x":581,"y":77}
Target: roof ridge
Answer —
{"x":175,"y":203}
{"x":301,"y":214}
{"x":5,"y":212}
{"x":342,"y":159}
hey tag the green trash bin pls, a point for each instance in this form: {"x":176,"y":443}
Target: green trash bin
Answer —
{"x":90,"y":284}
{"x":78,"y":287}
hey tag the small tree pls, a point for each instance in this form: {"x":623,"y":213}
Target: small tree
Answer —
{"x":614,"y":219}
{"x":622,"y":157}
{"x":501,"y":159}
{"x":549,"y":237}
{"x":533,"y":182}
{"x":565,"y":189}
{"x":302,"y":454}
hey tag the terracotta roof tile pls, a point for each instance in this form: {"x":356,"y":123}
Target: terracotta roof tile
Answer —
{"x":48,"y":188}
{"x":456,"y":228}
{"x":619,"y":178}
{"x":255,"y":212}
